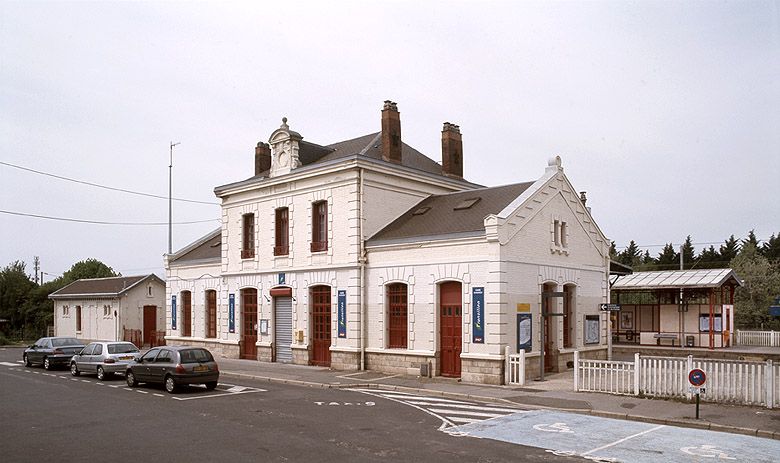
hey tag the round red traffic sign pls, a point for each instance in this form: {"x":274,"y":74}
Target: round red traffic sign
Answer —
{"x":697,"y":377}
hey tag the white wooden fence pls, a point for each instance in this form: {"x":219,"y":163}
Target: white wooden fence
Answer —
{"x":758,"y":338}
{"x":728,"y":381}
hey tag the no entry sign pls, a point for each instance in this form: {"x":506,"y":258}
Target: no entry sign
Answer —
{"x":697,"y":377}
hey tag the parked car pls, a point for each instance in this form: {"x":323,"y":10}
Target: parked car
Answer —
{"x":52,"y":351}
{"x":174,"y":366}
{"x":103,"y":358}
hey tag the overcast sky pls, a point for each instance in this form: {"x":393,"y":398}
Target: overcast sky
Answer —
{"x":666,"y":113}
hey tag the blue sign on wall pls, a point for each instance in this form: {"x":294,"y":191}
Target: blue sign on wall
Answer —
{"x":478,"y":315}
{"x":232,"y":313}
{"x":342,"y":313}
{"x":524,"y":331}
{"x":281,"y":278}
{"x":173,"y":312}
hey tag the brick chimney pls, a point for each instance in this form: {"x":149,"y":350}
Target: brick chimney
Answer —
{"x":262,"y":158}
{"x":391,"y":133}
{"x":451,"y":151}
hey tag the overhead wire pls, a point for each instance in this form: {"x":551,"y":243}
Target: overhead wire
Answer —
{"x":97,"y":185}
{"x":102,"y":222}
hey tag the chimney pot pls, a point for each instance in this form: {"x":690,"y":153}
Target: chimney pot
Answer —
{"x":451,"y":151}
{"x":583,"y":198}
{"x":391,"y":132}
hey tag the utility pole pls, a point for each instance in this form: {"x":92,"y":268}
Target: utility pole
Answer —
{"x":170,"y":204}
{"x":36,"y":265}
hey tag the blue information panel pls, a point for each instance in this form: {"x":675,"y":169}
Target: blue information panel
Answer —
{"x":173,"y":312}
{"x":342,"y":313}
{"x":232,"y":313}
{"x":524,"y":338}
{"x":478,"y":315}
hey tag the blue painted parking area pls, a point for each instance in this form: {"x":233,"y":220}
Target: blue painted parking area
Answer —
{"x":610,"y":440}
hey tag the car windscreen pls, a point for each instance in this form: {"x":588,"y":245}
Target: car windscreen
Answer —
{"x":59,"y":342}
{"x":195,"y":356}
{"x":122,"y":348}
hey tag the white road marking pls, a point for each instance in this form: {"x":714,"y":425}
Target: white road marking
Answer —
{"x":553,"y":427}
{"x":111,"y":385}
{"x":73,"y":379}
{"x":158,"y":395}
{"x":646,"y":431}
{"x":475,"y":407}
{"x":8,"y":364}
{"x":99,"y":384}
{"x":85,"y":381}
{"x":220,"y":395}
{"x":140,"y":391}
{"x":127,"y":389}
{"x":237,"y":389}
{"x":707,"y":451}
{"x":464,"y":420}
{"x":423,"y":398}
{"x":464,"y":412}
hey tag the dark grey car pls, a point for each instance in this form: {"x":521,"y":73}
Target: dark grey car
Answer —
{"x":174,"y":366}
{"x":52,"y":351}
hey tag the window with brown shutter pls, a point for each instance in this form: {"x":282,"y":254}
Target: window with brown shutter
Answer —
{"x":319,"y":221}
{"x":397,"y":316}
{"x":211,"y":314}
{"x":78,"y":318}
{"x":282,"y":244}
{"x":186,"y":315}
{"x":248,"y":239}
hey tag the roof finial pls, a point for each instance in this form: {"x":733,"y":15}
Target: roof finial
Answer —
{"x":284,"y":123}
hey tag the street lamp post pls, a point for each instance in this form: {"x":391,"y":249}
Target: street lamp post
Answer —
{"x":170,"y":207}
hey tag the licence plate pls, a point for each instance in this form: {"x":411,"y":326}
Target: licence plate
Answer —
{"x":127,"y":357}
{"x":200,"y":368}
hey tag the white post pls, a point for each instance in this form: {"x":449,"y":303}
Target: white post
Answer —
{"x":685,"y":376}
{"x":521,"y":368}
{"x":636,"y":373}
{"x":773,"y":342}
{"x":770,"y":384}
{"x":576,"y":370}
{"x":736,"y":339}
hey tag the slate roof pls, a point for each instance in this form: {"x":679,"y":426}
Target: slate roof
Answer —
{"x":368,"y":146}
{"x":102,"y":287}
{"x":208,"y":248}
{"x":442,"y":220}
{"x":674,"y":279}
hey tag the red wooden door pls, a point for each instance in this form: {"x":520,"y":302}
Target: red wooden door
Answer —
{"x":150,"y":324}
{"x":549,"y":307}
{"x":248,"y":324}
{"x":451,"y":327}
{"x":320,"y":324}
{"x":186,"y":308}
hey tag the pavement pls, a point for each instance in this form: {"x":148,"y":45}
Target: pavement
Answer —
{"x":556,"y":392}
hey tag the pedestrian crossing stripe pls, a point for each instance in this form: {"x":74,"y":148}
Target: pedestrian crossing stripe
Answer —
{"x":451,"y":412}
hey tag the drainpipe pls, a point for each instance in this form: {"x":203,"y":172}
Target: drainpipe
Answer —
{"x":362,"y":261}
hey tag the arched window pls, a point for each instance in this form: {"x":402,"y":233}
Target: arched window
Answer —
{"x":397,"y":317}
{"x":186,"y":313}
{"x":211,"y":314}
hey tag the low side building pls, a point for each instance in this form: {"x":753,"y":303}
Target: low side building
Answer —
{"x":118,"y":308}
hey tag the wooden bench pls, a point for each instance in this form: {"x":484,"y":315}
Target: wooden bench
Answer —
{"x":670,"y":336}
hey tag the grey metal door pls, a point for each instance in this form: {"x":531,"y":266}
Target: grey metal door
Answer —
{"x":283,"y":329}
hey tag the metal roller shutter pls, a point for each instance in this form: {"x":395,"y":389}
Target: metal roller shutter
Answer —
{"x":283,"y":334}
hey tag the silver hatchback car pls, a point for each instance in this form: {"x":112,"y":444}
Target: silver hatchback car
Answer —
{"x":103,"y":358}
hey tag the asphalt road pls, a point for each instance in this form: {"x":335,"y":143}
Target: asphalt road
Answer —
{"x":51,"y":416}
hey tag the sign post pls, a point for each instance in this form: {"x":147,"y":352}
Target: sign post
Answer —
{"x":697,"y":378}
{"x":608,"y":309}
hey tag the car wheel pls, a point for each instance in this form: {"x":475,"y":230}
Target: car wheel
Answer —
{"x":26,"y":361}
{"x":47,"y":363}
{"x":211,"y":386}
{"x":74,"y":369}
{"x":170,"y":384}
{"x":130,"y":377}
{"x":101,"y":374}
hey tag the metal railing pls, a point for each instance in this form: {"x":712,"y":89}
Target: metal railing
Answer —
{"x":758,"y":338}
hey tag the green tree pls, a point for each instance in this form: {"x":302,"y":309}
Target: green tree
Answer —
{"x":761,"y":285}
{"x":668,"y":258}
{"x":631,"y":256}
{"x":688,"y":252}
{"x":88,"y":268}
{"x":710,"y":258}
{"x":771,"y":249}
{"x":613,"y":254}
{"x":15,"y":287}
{"x":729,"y":249}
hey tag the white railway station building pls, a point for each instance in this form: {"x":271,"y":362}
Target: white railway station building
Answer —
{"x":368,"y":254}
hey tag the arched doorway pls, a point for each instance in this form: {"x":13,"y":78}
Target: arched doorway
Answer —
{"x":319,"y":298}
{"x":550,"y":305}
{"x":450,"y":327}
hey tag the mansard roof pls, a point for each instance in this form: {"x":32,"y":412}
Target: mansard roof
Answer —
{"x":366,"y":147}
{"x":448,"y":216}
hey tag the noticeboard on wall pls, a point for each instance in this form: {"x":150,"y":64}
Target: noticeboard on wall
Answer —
{"x":173,"y":312}
{"x":232,"y":313}
{"x":478,"y":315}
{"x":524,"y":331}
{"x":342,"y":313}
{"x":591,"y":335}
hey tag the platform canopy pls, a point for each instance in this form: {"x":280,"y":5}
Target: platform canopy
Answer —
{"x":676,"y":279}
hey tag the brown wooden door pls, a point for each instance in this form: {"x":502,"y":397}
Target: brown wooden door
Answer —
{"x":248,"y":324}
{"x":320,"y":324}
{"x":150,"y":324}
{"x":549,"y":307}
{"x":451,"y":327}
{"x":186,"y":309}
